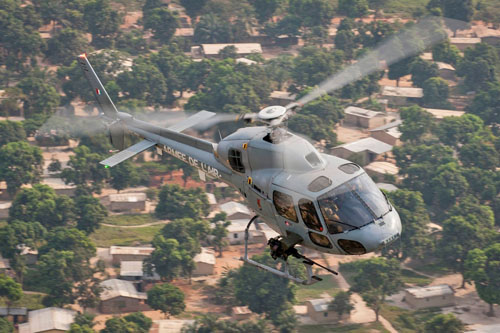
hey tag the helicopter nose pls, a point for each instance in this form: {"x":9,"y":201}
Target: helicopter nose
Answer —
{"x":390,"y":229}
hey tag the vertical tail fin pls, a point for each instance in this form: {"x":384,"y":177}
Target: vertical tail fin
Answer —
{"x":105,"y":103}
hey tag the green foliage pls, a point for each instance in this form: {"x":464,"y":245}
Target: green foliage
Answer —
{"x":480,"y":153}
{"x":39,"y":97}
{"x":414,"y":242}
{"x":212,"y":29}
{"x":264,"y":9}
{"x":422,"y":70}
{"x":311,"y":13}
{"x":400,"y":69}
{"x":123,"y":175}
{"x":416,"y":123}
{"x":162,"y":22}
{"x":209,"y":323}
{"x":313,"y":65}
{"x":76,"y":328}
{"x":219,"y":231}
{"x":486,"y":104}
{"x":482,"y":266}
{"x":445,"y":52}
{"x":62,"y":48}
{"x":455,"y":131}
{"x":120,"y":325}
{"x":17,"y":232}
{"x":176,"y":202}
{"x":167,"y":258}
{"x":103,"y":22}
{"x":11,"y":131}
{"x":70,"y":239}
{"x":132,"y":42}
{"x":193,"y":7}
{"x":436,"y":93}
{"x":89,"y":213}
{"x":456,"y":9}
{"x":143,"y":322}
{"x":478,"y":66}
{"x":167,"y":298}
{"x":449,"y":184}
{"x":341,"y":303}
{"x":6,"y":326}
{"x":353,"y":8}
{"x":444,"y":323}
{"x":10,"y":289}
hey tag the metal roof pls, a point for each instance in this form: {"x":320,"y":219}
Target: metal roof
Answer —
{"x":402,"y":92}
{"x":13,"y":311}
{"x":115,"y":288}
{"x":443,"y":65}
{"x":233,"y":207}
{"x":206,"y":256}
{"x":430,"y":291}
{"x":143,"y":251}
{"x":387,"y":126}
{"x":241,"y":48}
{"x":367,"y":144}
{"x":383,"y":167}
{"x":320,"y":304}
{"x":172,"y":325}
{"x":440,"y":113}
{"x":131,"y":268}
{"x":465,"y":40}
{"x":57,"y":183}
{"x":127,"y":197}
{"x":211,"y":198}
{"x":48,"y":319}
{"x":364,"y":113}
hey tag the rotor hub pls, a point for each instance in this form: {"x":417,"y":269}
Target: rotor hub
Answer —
{"x":272,"y":112}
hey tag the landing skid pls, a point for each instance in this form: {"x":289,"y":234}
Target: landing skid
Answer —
{"x":308,"y":263}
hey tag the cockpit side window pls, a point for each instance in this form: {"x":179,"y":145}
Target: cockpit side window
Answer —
{"x":235,"y":160}
{"x":309,"y":215}
{"x":319,"y":240}
{"x":284,"y":206}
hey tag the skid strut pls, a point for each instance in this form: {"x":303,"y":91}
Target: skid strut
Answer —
{"x":308,"y":263}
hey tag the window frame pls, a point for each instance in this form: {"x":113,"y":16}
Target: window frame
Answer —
{"x":311,"y":226}
{"x":235,"y":159}
{"x":279,"y":210}
{"x":330,"y":245}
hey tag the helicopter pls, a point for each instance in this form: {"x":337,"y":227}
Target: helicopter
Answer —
{"x":311,"y":199}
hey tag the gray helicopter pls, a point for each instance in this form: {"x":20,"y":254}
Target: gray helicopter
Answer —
{"x":311,"y":199}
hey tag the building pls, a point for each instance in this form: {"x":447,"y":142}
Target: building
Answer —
{"x":400,"y":96}
{"x":446,"y":71}
{"x":282,"y":97}
{"x":359,"y":117}
{"x":236,"y":233}
{"x":388,"y":133}
{"x":134,"y":271}
{"x":48,"y":320}
{"x":5,"y":266}
{"x":464,"y":42}
{"x":30,"y":255}
{"x":212,"y":201}
{"x":430,"y":297}
{"x":213,"y":50}
{"x":236,"y":210}
{"x":380,"y":169}
{"x":440,"y":114}
{"x":170,"y":325}
{"x":59,"y":186}
{"x":119,"y":296}
{"x":4,"y":209}
{"x":129,"y":253}
{"x":205,"y":262}
{"x":367,"y":150}
{"x":241,"y":313}
{"x":127,"y":202}
{"x":14,"y":315}
{"x":317,"y":310}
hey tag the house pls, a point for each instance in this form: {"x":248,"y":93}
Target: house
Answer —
{"x":431,"y":296}
{"x":50,"y":320}
{"x":134,"y":271}
{"x":282,"y":97}
{"x":359,"y":117}
{"x":236,"y":210}
{"x":5,"y":266}
{"x":367,"y":149}
{"x":440,"y":114}
{"x":205,"y":262}
{"x":184,"y":33}
{"x":317,"y":310}
{"x":388,"y":133}
{"x":266,"y":230}
{"x":119,"y":296}
{"x":400,"y":96}
{"x":59,"y":186}
{"x":446,"y":71}
{"x":14,"y":315}
{"x":170,"y":325}
{"x":236,"y":232}
{"x":127,"y":202}
{"x":129,"y":253}
{"x":30,"y":255}
{"x":4,"y":209}
{"x":487,"y":35}
{"x":464,"y":42}
{"x":212,"y":50}
{"x":380,"y":169}
{"x":241,"y":313}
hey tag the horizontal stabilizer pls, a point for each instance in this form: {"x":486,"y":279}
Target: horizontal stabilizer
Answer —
{"x":191,"y":121}
{"x":127,"y":153}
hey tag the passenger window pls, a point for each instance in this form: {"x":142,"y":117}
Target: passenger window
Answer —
{"x":309,"y":215}
{"x":320,"y":240}
{"x":235,"y":160}
{"x":284,"y":206}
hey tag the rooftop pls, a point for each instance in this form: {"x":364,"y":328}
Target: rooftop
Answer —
{"x":206,"y":256}
{"x":387,"y":187}
{"x":48,"y":319}
{"x":233,"y":207}
{"x":5,"y":204}
{"x":320,"y":304}
{"x":239,"y":310}
{"x":127,"y":197}
{"x":387,"y":126}
{"x":402,"y":92}
{"x":465,"y":40}
{"x":239,"y":226}
{"x":211,"y":198}
{"x":13,"y":311}
{"x":144,"y":250}
{"x":443,"y":65}
{"x":277,"y":94}
{"x":440,"y":114}
{"x":382,"y":167}
{"x":131,"y":268}
{"x":241,"y":48}
{"x":171,"y":325}
{"x":116,"y":288}
{"x":359,"y":112}
{"x":57,"y":183}
{"x":367,"y":144}
{"x":184,"y":32}
{"x":245,"y":61}
{"x":430,"y":291}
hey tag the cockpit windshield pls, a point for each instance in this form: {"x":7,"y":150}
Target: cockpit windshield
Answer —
{"x":352,"y":205}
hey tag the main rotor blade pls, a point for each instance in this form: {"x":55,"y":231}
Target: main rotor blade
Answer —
{"x":408,"y":42}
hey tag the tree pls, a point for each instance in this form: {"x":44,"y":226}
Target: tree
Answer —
{"x":353,"y":8}
{"x":11,"y":131}
{"x":444,"y":323}
{"x":102,"y":21}
{"x":416,"y":123}
{"x":166,"y":259}
{"x":436,"y":93}
{"x":482,"y":266}
{"x":188,"y":232}
{"x":89,"y":213}
{"x":422,"y":70}
{"x":6,"y":326}
{"x":123,"y":175}
{"x":478,"y":66}
{"x":377,"y":5}
{"x":120,"y":325}
{"x":312,"y":13}
{"x":162,"y":22}
{"x":167,"y":298}
{"x":486,"y":104}
{"x":176,"y":202}
{"x":449,"y":185}
{"x":479,"y":153}
{"x":193,"y":8}
{"x":345,"y":39}
{"x":455,"y":9}
{"x":219,"y":231}
{"x":61,"y":48}
{"x":10,"y":289}
{"x":264,"y":9}
{"x":18,"y":232}
{"x":143,"y":322}
{"x":446,"y":52}
{"x":341,"y":303}
{"x":385,"y":279}
{"x":412,"y":210}
{"x":212,"y":29}
{"x":84,"y":170}
{"x":456,"y":131}
{"x":313,"y":65}
{"x":400,"y":69}
{"x":39,"y":97}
